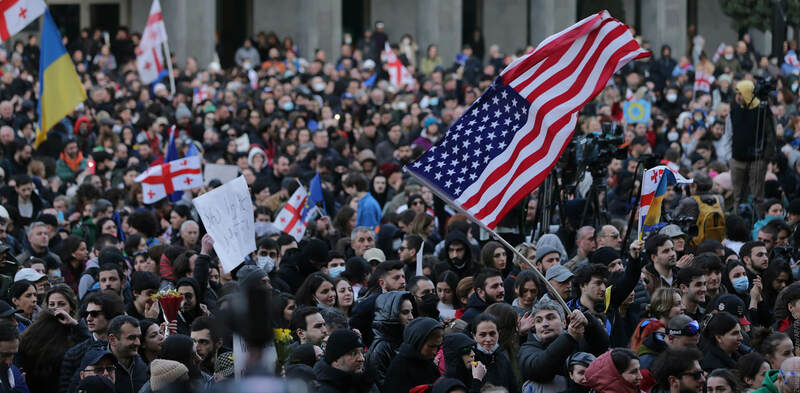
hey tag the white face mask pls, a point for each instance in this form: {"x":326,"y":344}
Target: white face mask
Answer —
{"x":319,"y":86}
{"x":672,"y":97}
{"x":729,"y":56}
{"x":265,"y":263}
{"x":673,"y":136}
{"x":336,"y":271}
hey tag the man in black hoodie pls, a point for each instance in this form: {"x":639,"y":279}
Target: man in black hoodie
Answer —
{"x":342,"y":368}
{"x":459,"y":256}
{"x":413,"y":365}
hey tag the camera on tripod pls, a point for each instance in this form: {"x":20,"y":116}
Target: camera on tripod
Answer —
{"x":764,"y":88}
{"x":596,"y":150}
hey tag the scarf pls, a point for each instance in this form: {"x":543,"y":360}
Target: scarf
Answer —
{"x":73,"y":164}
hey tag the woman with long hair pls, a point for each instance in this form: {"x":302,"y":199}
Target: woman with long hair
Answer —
{"x":318,"y":290}
{"x":752,"y":368}
{"x":446,"y":292}
{"x":665,"y":304}
{"x":499,"y":371}
{"x":721,"y":339}
{"x":774,"y":346}
{"x":345,"y":299}
{"x":775,"y":277}
{"x":508,"y":327}
{"x":74,"y":255}
{"x":152,"y":340}
{"x":283,"y":305}
{"x":494,"y":255}
{"x":41,"y":350}
{"x":722,"y":381}
{"x":735,"y":280}
{"x":423,"y":226}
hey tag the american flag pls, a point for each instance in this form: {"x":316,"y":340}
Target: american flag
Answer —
{"x":509,"y":139}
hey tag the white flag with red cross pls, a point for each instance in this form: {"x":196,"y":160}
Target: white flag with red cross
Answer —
{"x":149,"y":54}
{"x":703,"y":81}
{"x":399,"y":75}
{"x":161,"y":180}
{"x":290,"y":219}
{"x":16,"y":14}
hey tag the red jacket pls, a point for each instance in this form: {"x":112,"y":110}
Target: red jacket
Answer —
{"x":603,"y":377}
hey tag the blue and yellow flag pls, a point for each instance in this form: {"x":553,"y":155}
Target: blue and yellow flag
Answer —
{"x":60,"y":89}
{"x":653,"y":218}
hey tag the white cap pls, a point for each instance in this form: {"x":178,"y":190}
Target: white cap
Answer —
{"x":28,"y":274}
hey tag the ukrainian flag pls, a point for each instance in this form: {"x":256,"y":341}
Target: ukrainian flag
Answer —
{"x":60,"y":89}
{"x":653,"y":218}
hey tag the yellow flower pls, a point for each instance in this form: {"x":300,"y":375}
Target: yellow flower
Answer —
{"x":283,"y":336}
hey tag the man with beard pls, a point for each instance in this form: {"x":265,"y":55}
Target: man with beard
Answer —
{"x":678,"y":370}
{"x":661,"y":270}
{"x":488,"y":290}
{"x":24,"y":205}
{"x":206,"y":337}
{"x":458,"y":256}
{"x":6,"y":140}
{"x":692,"y":283}
{"x":71,"y":162}
{"x":388,"y":276}
{"x":755,"y":258}
{"x":18,"y":164}
{"x":191,"y":307}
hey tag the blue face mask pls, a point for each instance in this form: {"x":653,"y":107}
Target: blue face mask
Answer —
{"x":288,"y":106}
{"x":741,"y":284}
{"x":335,"y":271}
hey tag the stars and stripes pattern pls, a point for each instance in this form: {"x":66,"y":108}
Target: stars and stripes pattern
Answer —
{"x":507,"y":142}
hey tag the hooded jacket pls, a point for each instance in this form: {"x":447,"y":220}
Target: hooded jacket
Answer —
{"x":408,"y":368}
{"x":333,"y":380}
{"x":454,"y":345}
{"x":467,"y":268}
{"x":499,"y":370}
{"x":768,"y":386}
{"x":475,"y":305}
{"x":445,"y":385}
{"x":388,"y":332}
{"x":604,"y":377}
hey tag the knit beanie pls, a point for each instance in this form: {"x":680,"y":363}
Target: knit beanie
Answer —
{"x":340,"y":343}
{"x":164,"y":372}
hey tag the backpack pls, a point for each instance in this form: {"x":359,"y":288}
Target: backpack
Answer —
{"x":710,"y":221}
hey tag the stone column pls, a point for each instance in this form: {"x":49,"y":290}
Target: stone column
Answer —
{"x":664,"y":22}
{"x":312,"y":24}
{"x":191,"y":25}
{"x":549,"y":17}
{"x":505,"y":23}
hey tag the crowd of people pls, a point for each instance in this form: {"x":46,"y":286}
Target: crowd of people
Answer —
{"x":708,"y":300}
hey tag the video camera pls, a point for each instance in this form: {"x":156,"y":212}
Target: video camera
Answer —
{"x":687,"y":224}
{"x":596,"y":150}
{"x":764,"y":87}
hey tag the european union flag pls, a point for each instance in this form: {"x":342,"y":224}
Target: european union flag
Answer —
{"x":315,"y":196}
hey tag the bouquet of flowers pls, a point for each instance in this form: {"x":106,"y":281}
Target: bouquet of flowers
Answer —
{"x":283,"y":337}
{"x":170,"y":302}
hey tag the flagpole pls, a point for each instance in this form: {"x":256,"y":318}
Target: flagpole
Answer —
{"x":553,"y":293}
{"x":169,"y":68}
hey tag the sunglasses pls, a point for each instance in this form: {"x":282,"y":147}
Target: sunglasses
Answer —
{"x":94,"y":314}
{"x":100,"y":370}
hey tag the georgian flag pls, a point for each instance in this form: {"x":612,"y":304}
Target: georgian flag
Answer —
{"x":399,"y":75}
{"x":149,"y":54}
{"x":162,"y":180}
{"x":290,"y":220}
{"x":16,"y":14}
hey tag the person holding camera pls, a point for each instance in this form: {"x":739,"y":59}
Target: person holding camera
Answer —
{"x":753,"y":142}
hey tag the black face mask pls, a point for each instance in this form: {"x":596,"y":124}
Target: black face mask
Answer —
{"x":428,"y":306}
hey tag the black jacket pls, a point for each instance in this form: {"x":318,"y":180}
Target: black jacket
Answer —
{"x":541,"y":362}
{"x":361,"y":317}
{"x":498,"y":369}
{"x":475,"y":305}
{"x":453,"y":346}
{"x":333,"y":380}
{"x":468,"y":267}
{"x":409,"y":369}
{"x":388,"y":332}
{"x":72,"y":361}
{"x":132,"y":379}
{"x":716,"y":358}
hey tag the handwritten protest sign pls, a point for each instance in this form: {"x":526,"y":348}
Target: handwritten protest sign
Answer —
{"x":227,"y":214}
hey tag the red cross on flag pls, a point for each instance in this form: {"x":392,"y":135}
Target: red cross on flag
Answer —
{"x":161,"y":180}
{"x":399,"y":75}
{"x":290,"y":220}
{"x":149,"y":56}
{"x":703,"y":81}
{"x":16,"y":14}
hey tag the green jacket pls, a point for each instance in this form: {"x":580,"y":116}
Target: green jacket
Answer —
{"x":86,"y":230}
{"x":768,"y":386}
{"x":66,"y":173}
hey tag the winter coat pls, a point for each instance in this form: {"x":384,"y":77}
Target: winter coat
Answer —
{"x":361,"y":317}
{"x":499,"y":371}
{"x":542,"y":362}
{"x":333,"y":380}
{"x":475,"y":306}
{"x":468,"y":268}
{"x":409,"y":369}
{"x":388,"y":332}
{"x":453,"y":347}
{"x":604,"y":377}
{"x":716,"y":358}
{"x":72,"y":361}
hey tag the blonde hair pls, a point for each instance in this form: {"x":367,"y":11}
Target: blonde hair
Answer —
{"x":662,"y":301}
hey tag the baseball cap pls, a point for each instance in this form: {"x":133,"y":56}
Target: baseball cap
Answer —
{"x":683,"y":325}
{"x":6,"y":310}
{"x":731,"y":304}
{"x":374,"y":254}
{"x":94,"y":355}
{"x":28,"y":274}
{"x":672,"y":231}
{"x":558,"y":273}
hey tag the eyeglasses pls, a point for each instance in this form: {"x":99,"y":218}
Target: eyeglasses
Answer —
{"x":100,"y":370}
{"x":696,"y":375}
